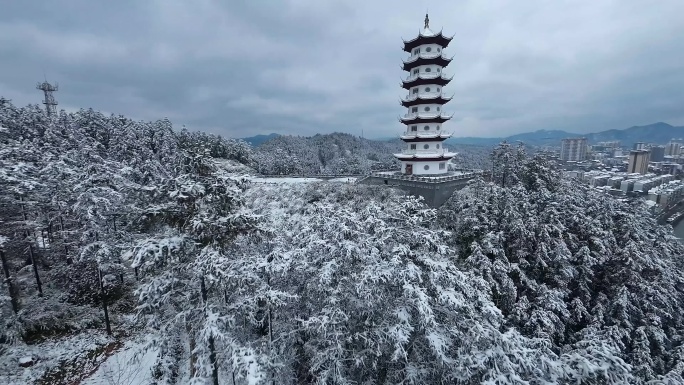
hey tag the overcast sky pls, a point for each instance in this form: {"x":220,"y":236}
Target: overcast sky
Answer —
{"x":246,"y":67}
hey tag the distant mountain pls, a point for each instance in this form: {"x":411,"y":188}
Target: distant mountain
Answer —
{"x":258,"y":139}
{"x":653,"y":133}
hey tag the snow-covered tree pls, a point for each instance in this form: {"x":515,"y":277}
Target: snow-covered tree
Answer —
{"x":571,"y":266}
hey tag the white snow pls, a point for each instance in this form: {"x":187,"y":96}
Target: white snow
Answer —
{"x":25,"y":360}
{"x":284,"y":180}
{"x":347,"y":180}
{"x":47,"y":355}
{"x":4,"y":128}
{"x":427,"y":32}
{"x":129,"y":366}
{"x":3,"y":240}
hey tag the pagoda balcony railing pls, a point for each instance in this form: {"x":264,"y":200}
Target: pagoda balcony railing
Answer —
{"x":426,"y":133}
{"x":424,"y":75}
{"x":424,"y":55}
{"x":440,"y":151}
{"x":424,"y":115}
{"x":426,"y":95}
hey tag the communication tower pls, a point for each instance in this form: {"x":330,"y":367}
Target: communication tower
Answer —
{"x":50,"y":102}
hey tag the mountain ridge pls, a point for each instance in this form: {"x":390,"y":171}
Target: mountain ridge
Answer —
{"x":659,"y":132}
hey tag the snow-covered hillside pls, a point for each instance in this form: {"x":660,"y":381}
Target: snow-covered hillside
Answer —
{"x":117,"y":233}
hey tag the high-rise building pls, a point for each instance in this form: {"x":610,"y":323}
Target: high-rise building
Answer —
{"x":639,"y":146}
{"x":610,"y":144}
{"x":638,"y":161}
{"x":673,"y":148}
{"x":424,"y":136}
{"x":657,"y":153}
{"x":573,"y":149}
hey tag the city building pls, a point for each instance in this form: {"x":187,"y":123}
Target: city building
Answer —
{"x":573,"y":149}
{"x":639,"y":146}
{"x":638,"y":161}
{"x":657,"y":153}
{"x":425,"y":153}
{"x":610,"y":144}
{"x":673,"y":148}
{"x":667,"y":194}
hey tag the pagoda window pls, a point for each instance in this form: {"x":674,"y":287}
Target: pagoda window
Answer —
{"x":416,"y":51}
{"x":438,"y":128}
{"x":437,"y":145}
{"x":437,"y":108}
{"x":426,"y":167}
{"x":428,"y":49}
{"x":426,"y":146}
{"x":438,"y":70}
{"x":413,"y":147}
{"x":427,"y":109}
{"x":415,"y":71}
{"x":437,"y":89}
{"x":442,"y":166}
{"x":426,"y":128}
{"x":415,"y":90}
{"x":414,"y":109}
{"x":439,"y":49}
{"x":414,"y":128}
{"x":428,"y":69}
{"x":427,"y":89}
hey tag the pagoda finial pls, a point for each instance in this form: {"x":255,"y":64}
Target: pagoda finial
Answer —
{"x":427,"y":21}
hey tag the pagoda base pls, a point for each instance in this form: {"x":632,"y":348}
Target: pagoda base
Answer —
{"x":435,"y":189}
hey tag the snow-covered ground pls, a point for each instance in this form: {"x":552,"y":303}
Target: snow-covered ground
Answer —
{"x":296,"y":180}
{"x":284,"y":180}
{"x":345,"y":180}
{"x":49,"y":356}
{"x":129,"y":366}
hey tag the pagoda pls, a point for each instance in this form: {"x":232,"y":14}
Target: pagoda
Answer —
{"x":424,"y":153}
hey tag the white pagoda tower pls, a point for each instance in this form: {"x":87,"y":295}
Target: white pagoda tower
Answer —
{"x":424,"y":153}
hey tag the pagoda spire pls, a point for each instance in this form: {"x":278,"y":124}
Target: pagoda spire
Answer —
{"x":427,"y":21}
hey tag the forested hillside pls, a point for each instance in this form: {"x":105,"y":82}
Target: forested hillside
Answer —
{"x":573,"y":267}
{"x":525,"y":280}
{"x":75,"y":191}
{"x":340,"y":153}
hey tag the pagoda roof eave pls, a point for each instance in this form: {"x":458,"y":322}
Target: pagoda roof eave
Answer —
{"x":439,"y":34}
{"x":432,"y":138}
{"x":439,"y":99}
{"x":422,"y":80}
{"x":420,"y":60}
{"x":440,"y":40}
{"x":425,"y":157}
{"x":418,"y":119}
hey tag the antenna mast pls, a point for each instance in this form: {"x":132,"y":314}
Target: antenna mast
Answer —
{"x":50,"y":102}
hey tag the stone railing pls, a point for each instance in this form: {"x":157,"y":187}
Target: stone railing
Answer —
{"x":464,"y":174}
{"x":326,"y":176}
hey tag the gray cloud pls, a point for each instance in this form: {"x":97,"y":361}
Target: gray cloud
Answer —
{"x":302,"y":67}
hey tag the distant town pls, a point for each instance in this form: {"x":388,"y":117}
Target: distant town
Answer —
{"x":647,"y":170}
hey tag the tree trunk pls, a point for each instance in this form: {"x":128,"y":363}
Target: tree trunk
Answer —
{"x":212,"y":349}
{"x":35,"y":270}
{"x":10,"y":284}
{"x":66,"y":255}
{"x":33,"y":260}
{"x":193,"y":358}
{"x":104,"y":302}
